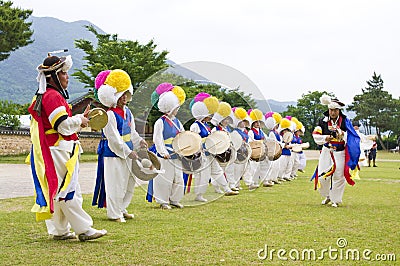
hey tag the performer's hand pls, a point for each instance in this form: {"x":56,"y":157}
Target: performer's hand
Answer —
{"x":85,"y":121}
{"x":329,"y":138}
{"x":133,"y":155}
{"x":167,"y":156}
{"x":86,"y":112}
{"x":143,"y":144}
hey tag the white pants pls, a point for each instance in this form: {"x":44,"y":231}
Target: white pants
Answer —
{"x":262,"y":171}
{"x":295,"y":163}
{"x":212,"y":170}
{"x":254,"y":173}
{"x":241,"y":171}
{"x":227,"y":176}
{"x":338,"y":179}
{"x":119,"y":184}
{"x":302,"y":160}
{"x":68,"y":213}
{"x":285,"y":166}
{"x":274,"y":169}
{"x":169,"y":186}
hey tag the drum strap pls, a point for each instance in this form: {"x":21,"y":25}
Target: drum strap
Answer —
{"x":173,"y":123}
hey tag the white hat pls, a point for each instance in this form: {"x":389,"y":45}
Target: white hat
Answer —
{"x":112,"y":85}
{"x":224,"y":111}
{"x":203,"y":105}
{"x":272,"y":119}
{"x":332,"y":103}
{"x":238,"y":115}
{"x":256,"y":115}
{"x":167,"y":97}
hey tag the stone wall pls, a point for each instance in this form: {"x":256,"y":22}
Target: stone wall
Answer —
{"x":15,"y":142}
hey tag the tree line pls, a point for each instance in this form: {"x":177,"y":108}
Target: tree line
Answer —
{"x":374,"y":107}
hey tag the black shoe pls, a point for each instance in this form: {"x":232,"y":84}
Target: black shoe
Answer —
{"x":375,"y":166}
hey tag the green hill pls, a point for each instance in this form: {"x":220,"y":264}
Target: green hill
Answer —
{"x":18,"y":72}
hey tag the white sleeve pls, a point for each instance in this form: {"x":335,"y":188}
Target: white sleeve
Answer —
{"x":70,"y":125}
{"x":115,"y":142}
{"x":195,"y":128}
{"x":271,"y":135}
{"x":320,"y":139}
{"x":214,"y":129}
{"x":135,"y":137}
{"x":158,"y":137}
{"x":251,"y":136}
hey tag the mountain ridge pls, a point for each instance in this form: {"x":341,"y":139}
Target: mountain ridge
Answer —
{"x":18,"y":72}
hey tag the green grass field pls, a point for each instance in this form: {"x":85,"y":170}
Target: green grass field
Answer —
{"x":229,"y":231}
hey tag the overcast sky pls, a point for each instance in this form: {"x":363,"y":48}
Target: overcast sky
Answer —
{"x":286,"y":48}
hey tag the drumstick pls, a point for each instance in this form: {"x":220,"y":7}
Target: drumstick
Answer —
{"x":99,"y":113}
{"x":214,"y":145}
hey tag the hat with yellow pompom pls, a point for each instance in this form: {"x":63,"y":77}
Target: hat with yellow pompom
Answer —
{"x":203,"y":105}
{"x":167,"y":97}
{"x":238,"y":115}
{"x":223,"y":112}
{"x":110,"y":85}
{"x":272,"y":119}
{"x":256,"y":115}
{"x":285,"y":124}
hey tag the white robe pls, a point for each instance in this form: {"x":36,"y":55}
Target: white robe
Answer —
{"x":332,"y":187}
{"x":119,"y":180}
{"x":168,"y":186}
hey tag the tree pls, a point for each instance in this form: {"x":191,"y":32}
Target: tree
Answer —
{"x":9,"y":113}
{"x":14,"y":31}
{"x":139,"y":61}
{"x":142,"y":108}
{"x":308,"y":111}
{"x":376,"y":108}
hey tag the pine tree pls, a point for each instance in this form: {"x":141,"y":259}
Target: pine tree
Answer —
{"x":15,"y":32}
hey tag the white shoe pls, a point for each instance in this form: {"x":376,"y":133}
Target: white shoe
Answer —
{"x":268,"y":184}
{"x":200,"y":198}
{"x":128,"y":215}
{"x":165,"y":206}
{"x":335,"y":205}
{"x":218,"y":190}
{"x":252,"y":187}
{"x":326,"y":201}
{"x":176,"y":204}
{"x":231,"y":193}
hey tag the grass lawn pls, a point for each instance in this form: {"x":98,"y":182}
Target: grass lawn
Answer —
{"x":228,"y":231}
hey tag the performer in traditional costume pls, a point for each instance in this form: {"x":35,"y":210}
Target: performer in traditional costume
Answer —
{"x":301,"y":157}
{"x":167,"y":188}
{"x":366,"y":143}
{"x":221,"y":120}
{"x":295,"y":162}
{"x":115,"y":181}
{"x":203,"y":107}
{"x":286,"y":163}
{"x":55,"y":152}
{"x":340,"y":152}
{"x":272,"y":121}
{"x":258,"y":169}
{"x":240,"y":120}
